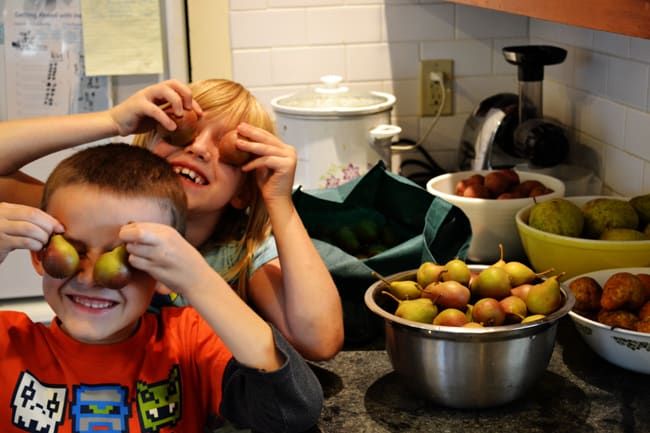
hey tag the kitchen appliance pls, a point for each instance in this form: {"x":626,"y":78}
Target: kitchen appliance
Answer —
{"x":508,"y":129}
{"x":338,"y":133}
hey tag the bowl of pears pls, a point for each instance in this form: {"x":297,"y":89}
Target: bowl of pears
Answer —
{"x":470,"y":336}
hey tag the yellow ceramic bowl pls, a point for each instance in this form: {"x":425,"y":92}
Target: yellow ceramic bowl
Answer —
{"x":577,"y":256}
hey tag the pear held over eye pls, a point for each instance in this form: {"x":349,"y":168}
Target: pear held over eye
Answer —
{"x":112,"y":269}
{"x":185,"y":128}
{"x":59,"y":258}
{"x":229,"y":152}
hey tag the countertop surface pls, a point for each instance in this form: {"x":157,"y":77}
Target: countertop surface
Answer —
{"x":578,"y":392}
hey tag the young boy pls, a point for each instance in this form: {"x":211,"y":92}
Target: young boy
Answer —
{"x":104,"y":363}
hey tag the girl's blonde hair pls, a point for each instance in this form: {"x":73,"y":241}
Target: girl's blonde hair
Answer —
{"x":231,"y":103}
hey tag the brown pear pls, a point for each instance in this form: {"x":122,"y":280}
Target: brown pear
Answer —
{"x":448,"y":294}
{"x":59,"y":258}
{"x":450,"y":317}
{"x":185,"y":130}
{"x":229,"y":152}
{"x":514,"y":307}
{"x":112,"y":269}
{"x":488,"y":312}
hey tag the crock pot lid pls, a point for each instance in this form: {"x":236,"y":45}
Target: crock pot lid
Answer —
{"x":331,"y":96}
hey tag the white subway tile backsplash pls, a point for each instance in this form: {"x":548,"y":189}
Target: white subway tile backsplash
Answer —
{"x":477,"y":23}
{"x":241,"y":5}
{"x":627,"y":82}
{"x":598,"y":117}
{"x":362,"y":24}
{"x":611,"y":43}
{"x":640,"y":49}
{"x":623,"y":172}
{"x":470,"y":91}
{"x":297,"y":3}
{"x":637,"y":133}
{"x":325,"y":26}
{"x":471,"y":57}
{"x":407,"y":95}
{"x":382,"y":61}
{"x":252,"y":68}
{"x":419,"y":22}
{"x":575,"y":36}
{"x":306,"y":65}
{"x":590,"y":71}
{"x":266,"y":29}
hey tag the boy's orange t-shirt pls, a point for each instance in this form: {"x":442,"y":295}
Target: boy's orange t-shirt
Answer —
{"x":166,"y":378}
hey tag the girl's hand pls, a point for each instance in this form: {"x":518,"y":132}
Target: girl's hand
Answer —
{"x":25,"y":227}
{"x":163,"y":253}
{"x":141,"y":111}
{"x":274,"y":161}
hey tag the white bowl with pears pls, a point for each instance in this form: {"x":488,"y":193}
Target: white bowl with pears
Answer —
{"x":491,"y":219}
{"x":461,"y":366}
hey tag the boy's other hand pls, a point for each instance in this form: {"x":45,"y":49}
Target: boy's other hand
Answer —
{"x":142,"y":111}
{"x":25,"y":227}
{"x":163,"y":253}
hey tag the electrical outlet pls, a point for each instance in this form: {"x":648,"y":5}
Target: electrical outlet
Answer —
{"x":431,"y":93}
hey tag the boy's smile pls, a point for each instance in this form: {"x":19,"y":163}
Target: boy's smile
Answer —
{"x":93,"y":218}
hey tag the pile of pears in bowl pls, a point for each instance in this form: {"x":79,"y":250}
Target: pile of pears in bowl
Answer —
{"x":586,"y":233}
{"x":470,"y":336}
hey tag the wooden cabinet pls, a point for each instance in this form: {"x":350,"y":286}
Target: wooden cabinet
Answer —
{"x":626,"y":17}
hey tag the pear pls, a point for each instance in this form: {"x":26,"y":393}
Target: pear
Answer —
{"x":605,"y":213}
{"x":420,"y":310}
{"x":450,"y":317}
{"x":492,"y":282}
{"x":448,"y":294}
{"x":545,"y":297}
{"x":185,"y":131}
{"x":456,"y":270}
{"x":623,"y":234}
{"x":405,"y":289}
{"x":521,"y":274}
{"x":112,"y":269}
{"x":59,"y":258}
{"x":641,"y":204}
{"x":532,"y":318}
{"x":229,"y":152}
{"x":499,"y":263}
{"x":514,"y":307}
{"x":488,"y":312}
{"x":428,"y":272}
{"x":557,"y":215}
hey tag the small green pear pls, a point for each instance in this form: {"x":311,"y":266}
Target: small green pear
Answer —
{"x":428,"y":272}
{"x":403,"y":289}
{"x":545,"y":297}
{"x":112,"y":269}
{"x":491,"y":282}
{"x":457,"y":270}
{"x":59,"y":258}
{"x":420,"y":310}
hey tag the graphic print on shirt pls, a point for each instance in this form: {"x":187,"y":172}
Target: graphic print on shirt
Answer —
{"x":159,"y":403}
{"x":102,"y":408}
{"x":37,"y":407}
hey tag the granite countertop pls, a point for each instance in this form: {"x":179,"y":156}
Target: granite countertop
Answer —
{"x":578,"y":392}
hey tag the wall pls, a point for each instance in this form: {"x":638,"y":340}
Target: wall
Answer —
{"x":279,"y":46}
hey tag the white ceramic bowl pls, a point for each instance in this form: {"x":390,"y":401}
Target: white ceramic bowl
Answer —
{"x":492,"y":221}
{"x":627,"y":349}
{"x":576,"y":256}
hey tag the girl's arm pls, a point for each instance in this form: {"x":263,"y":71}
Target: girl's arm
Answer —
{"x":295,"y":292}
{"x":26,"y":140}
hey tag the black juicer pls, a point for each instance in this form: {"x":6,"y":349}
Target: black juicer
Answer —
{"x":507,"y":129}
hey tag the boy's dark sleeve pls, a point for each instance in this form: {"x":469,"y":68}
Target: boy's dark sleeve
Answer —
{"x":289,"y":399}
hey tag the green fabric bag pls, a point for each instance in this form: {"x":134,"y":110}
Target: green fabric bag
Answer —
{"x":427,"y":228}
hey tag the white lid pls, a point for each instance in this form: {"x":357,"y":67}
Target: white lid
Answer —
{"x":332,"y":98}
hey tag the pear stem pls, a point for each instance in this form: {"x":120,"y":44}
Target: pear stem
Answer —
{"x":381,"y":277}
{"x":390,"y":295}
{"x":541,"y":274}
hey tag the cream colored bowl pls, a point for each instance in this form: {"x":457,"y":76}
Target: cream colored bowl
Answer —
{"x":576,"y":255}
{"x":627,"y":349}
{"x":492,"y":221}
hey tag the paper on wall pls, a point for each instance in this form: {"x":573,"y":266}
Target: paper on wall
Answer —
{"x":44,"y":73}
{"x":122,"y":37}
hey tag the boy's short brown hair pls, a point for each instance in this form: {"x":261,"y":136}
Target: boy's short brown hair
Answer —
{"x":123,"y":170}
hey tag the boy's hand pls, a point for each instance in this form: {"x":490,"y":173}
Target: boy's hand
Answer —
{"x":25,"y":227}
{"x":273,"y":160}
{"x":142,"y":111}
{"x":164,"y":254}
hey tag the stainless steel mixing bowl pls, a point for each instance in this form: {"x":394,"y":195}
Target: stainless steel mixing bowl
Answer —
{"x":466,"y":367}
